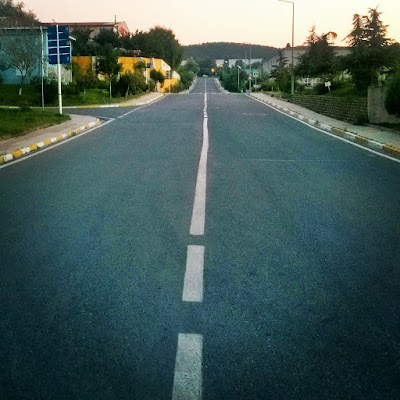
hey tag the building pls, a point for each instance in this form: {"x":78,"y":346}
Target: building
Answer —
{"x":121,"y":28}
{"x":31,"y":42}
{"x":232,"y":62}
{"x":286,"y":54}
{"x":129,"y":66}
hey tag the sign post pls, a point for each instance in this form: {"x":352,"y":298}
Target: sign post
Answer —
{"x":59,"y":46}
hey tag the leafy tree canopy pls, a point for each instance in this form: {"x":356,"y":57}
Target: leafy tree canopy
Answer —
{"x":370,"y":49}
{"x":319,"y":60}
{"x":14,"y":14}
{"x":83,"y":45}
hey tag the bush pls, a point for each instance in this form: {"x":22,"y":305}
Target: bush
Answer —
{"x":50,"y":89}
{"x":130,"y":84}
{"x":268,"y":86}
{"x":320,"y":89}
{"x":71,"y":89}
{"x":392,"y":100}
{"x":178,"y":87}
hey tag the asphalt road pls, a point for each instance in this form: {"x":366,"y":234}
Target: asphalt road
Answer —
{"x":301,"y":276}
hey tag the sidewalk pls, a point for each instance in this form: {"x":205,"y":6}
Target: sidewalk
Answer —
{"x":375,"y":137}
{"x":17,"y":147}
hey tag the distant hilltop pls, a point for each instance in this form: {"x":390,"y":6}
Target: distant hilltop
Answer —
{"x":226,"y":50}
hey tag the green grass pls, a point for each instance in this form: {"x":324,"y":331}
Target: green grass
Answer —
{"x":31,"y":97}
{"x":9,"y":96}
{"x":17,"y":122}
{"x":93,"y":97}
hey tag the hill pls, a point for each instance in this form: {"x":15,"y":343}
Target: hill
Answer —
{"x":219,"y":50}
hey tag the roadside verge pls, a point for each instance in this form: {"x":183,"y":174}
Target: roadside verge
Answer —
{"x":16,"y":148}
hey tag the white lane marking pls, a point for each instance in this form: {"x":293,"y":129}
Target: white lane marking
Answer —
{"x":193,"y":282}
{"x":188,"y":368}
{"x":199,"y":207}
{"x":330,"y":134}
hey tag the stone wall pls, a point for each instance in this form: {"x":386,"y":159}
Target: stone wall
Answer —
{"x":377,"y":113}
{"x":354,"y":111}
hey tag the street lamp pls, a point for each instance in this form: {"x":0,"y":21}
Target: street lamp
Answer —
{"x":289,"y":1}
{"x":238,"y":68}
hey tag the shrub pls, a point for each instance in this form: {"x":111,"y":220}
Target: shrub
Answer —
{"x":268,"y":86}
{"x":130,"y":84}
{"x":50,"y":89}
{"x":71,"y":89}
{"x":320,"y":88}
{"x":178,"y":87}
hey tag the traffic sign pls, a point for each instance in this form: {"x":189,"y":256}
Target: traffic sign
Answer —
{"x":58,"y":43}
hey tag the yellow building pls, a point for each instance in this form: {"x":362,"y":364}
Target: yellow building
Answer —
{"x":129,"y":64}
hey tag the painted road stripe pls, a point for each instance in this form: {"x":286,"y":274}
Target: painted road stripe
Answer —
{"x":188,"y":368}
{"x":199,"y":207}
{"x":193,"y":283}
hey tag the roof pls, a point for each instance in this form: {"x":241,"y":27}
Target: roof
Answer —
{"x":122,"y":27}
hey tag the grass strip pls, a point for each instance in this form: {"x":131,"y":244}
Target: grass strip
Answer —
{"x":17,"y":122}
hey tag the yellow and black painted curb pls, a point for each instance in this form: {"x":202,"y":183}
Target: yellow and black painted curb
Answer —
{"x":352,"y":137}
{"x":19,"y":153}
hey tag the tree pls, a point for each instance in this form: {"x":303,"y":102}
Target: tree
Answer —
{"x":14,"y":14}
{"x":206,"y":65}
{"x":157,"y":76}
{"x":107,"y":37}
{"x":281,"y":74}
{"x":188,"y":72}
{"x":134,"y":43}
{"x":82,"y":46}
{"x":21,"y":49}
{"x":107,"y":64}
{"x":369,"y":49}
{"x":161,"y":43}
{"x":319,"y":60}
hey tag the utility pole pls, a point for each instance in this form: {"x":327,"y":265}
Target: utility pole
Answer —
{"x":292,"y":2}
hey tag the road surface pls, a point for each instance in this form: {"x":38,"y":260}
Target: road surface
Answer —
{"x":202,"y":247}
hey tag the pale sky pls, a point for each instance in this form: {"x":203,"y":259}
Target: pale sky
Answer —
{"x":264,"y":22}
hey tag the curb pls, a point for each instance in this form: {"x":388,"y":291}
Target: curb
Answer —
{"x":352,"y":137}
{"x":19,"y":153}
{"x":118,"y":105}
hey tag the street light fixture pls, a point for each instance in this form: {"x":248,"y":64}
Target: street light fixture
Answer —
{"x":292,"y":2}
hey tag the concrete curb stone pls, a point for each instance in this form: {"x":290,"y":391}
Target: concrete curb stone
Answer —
{"x":19,"y":153}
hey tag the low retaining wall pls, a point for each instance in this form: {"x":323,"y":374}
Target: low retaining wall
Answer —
{"x":377,"y":113}
{"x":354,"y":111}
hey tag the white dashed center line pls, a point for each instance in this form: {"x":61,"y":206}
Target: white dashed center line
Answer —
{"x":188,"y":368}
{"x":193,"y":284}
{"x":199,"y":208}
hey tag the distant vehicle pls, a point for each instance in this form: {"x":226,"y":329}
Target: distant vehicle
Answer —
{"x":205,"y":76}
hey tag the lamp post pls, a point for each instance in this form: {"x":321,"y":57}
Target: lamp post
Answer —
{"x":251,"y":74}
{"x":238,"y":68}
{"x":292,"y":2}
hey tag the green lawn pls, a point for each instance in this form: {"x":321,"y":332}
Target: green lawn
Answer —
{"x":16,"y":122}
{"x":9,"y":96}
{"x":31,"y":96}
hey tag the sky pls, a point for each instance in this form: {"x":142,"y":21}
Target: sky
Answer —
{"x":264,"y":22}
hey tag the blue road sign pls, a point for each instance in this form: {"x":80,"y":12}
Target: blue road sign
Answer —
{"x":58,"y":41}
